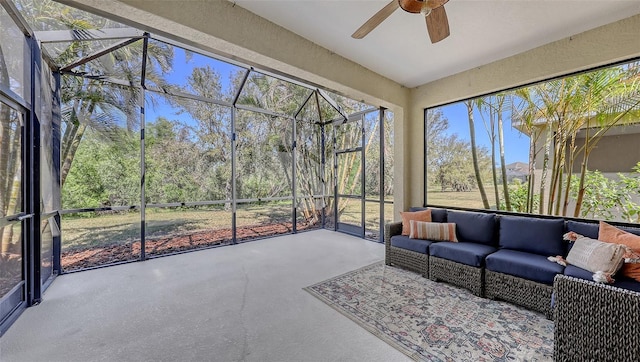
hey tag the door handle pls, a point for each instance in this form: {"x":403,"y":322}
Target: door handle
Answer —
{"x":24,"y":217}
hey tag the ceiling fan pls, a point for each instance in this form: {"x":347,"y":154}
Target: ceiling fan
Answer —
{"x":432,"y":10}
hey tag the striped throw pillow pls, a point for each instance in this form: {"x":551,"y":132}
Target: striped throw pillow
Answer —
{"x":433,"y":231}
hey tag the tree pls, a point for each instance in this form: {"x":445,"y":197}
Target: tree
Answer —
{"x":583,"y":107}
{"x":526,"y":114}
{"x":435,"y":134}
{"x":612,"y":96}
{"x":494,"y":105}
{"x":474,"y":154}
{"x":90,"y":103}
{"x":453,"y":165}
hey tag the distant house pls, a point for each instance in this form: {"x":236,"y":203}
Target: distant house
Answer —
{"x":517,"y":170}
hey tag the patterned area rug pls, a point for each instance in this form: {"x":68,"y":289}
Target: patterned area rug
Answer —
{"x":431,"y":321}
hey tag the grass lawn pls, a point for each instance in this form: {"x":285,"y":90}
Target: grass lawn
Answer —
{"x":470,"y":199}
{"x":351,"y":214}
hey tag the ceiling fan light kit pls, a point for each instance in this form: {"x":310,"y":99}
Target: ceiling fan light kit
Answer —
{"x":432,"y":10}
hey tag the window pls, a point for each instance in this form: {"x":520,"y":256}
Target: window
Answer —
{"x":568,"y":146}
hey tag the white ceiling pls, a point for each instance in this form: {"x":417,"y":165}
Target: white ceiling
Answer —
{"x":482,"y":31}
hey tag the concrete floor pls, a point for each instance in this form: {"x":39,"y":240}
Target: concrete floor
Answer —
{"x":235,"y":303}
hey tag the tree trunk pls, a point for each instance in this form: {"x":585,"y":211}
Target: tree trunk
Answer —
{"x":494,"y":175}
{"x":12,"y":207}
{"x":545,"y":167}
{"x":556,"y":171}
{"x":503,"y":166}
{"x":558,"y":199}
{"x":5,"y":155}
{"x":5,"y":142}
{"x":567,"y":188}
{"x":581,"y":188}
{"x":73,"y":147}
{"x":531,"y":179}
{"x":474,"y":155}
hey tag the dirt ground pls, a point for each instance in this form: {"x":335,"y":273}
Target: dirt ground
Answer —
{"x":87,"y":258}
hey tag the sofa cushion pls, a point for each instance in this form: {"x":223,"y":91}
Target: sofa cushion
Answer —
{"x":435,"y":231}
{"x":523,"y":265}
{"x":576,"y":272}
{"x":611,"y":234}
{"x":627,"y":283}
{"x":474,"y":227}
{"x":465,"y":253}
{"x":407,"y":216}
{"x":632,"y":230}
{"x":533,"y":235}
{"x":587,"y":229}
{"x":404,"y":242}
{"x":621,"y":282}
{"x":437,"y":214}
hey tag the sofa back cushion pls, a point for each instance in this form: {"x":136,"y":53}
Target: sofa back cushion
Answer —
{"x":474,"y":227}
{"x":532,"y":235}
{"x":437,"y":214}
{"x":587,"y":229}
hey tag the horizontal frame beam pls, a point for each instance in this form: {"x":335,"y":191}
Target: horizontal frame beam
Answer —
{"x":99,"y":53}
{"x":60,"y":36}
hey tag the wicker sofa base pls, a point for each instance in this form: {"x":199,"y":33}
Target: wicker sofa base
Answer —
{"x":408,"y":259}
{"x":523,"y":292}
{"x":595,"y":322}
{"x":462,"y":275}
{"x":403,"y":258}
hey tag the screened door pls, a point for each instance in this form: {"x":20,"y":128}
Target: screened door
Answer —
{"x":12,"y":283}
{"x":349,"y":177}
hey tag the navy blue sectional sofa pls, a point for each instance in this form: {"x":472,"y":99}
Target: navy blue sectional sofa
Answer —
{"x":505,"y":257}
{"x":497,"y":256}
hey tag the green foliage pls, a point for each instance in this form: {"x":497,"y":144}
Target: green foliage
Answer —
{"x":188,"y":157}
{"x":631,"y":186}
{"x":104,"y":173}
{"x":449,"y":159}
{"x":606,"y":198}
{"x":452,"y":165}
{"x":519,"y":193}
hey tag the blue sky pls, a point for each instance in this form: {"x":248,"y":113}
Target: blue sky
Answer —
{"x":516,"y":144}
{"x":180,"y":72}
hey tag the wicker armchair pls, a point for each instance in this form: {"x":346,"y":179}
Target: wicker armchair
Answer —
{"x":407,"y":259}
{"x":595,"y":322}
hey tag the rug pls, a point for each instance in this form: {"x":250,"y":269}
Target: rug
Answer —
{"x":430,"y":321}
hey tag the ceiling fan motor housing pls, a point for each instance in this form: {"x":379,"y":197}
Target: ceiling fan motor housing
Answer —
{"x":420,"y":6}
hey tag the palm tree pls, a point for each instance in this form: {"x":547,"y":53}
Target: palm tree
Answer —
{"x":494,"y":105}
{"x":92,"y":103}
{"x":591,"y":104}
{"x":526,"y":115}
{"x":611,"y":94}
{"x":503,"y":166}
{"x":474,"y":154}
{"x":486,"y":104}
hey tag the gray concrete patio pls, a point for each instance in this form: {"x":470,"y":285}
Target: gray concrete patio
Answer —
{"x":236,"y":303}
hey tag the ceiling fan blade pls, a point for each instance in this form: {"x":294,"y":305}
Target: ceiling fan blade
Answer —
{"x":437,"y":24}
{"x":376,"y":19}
